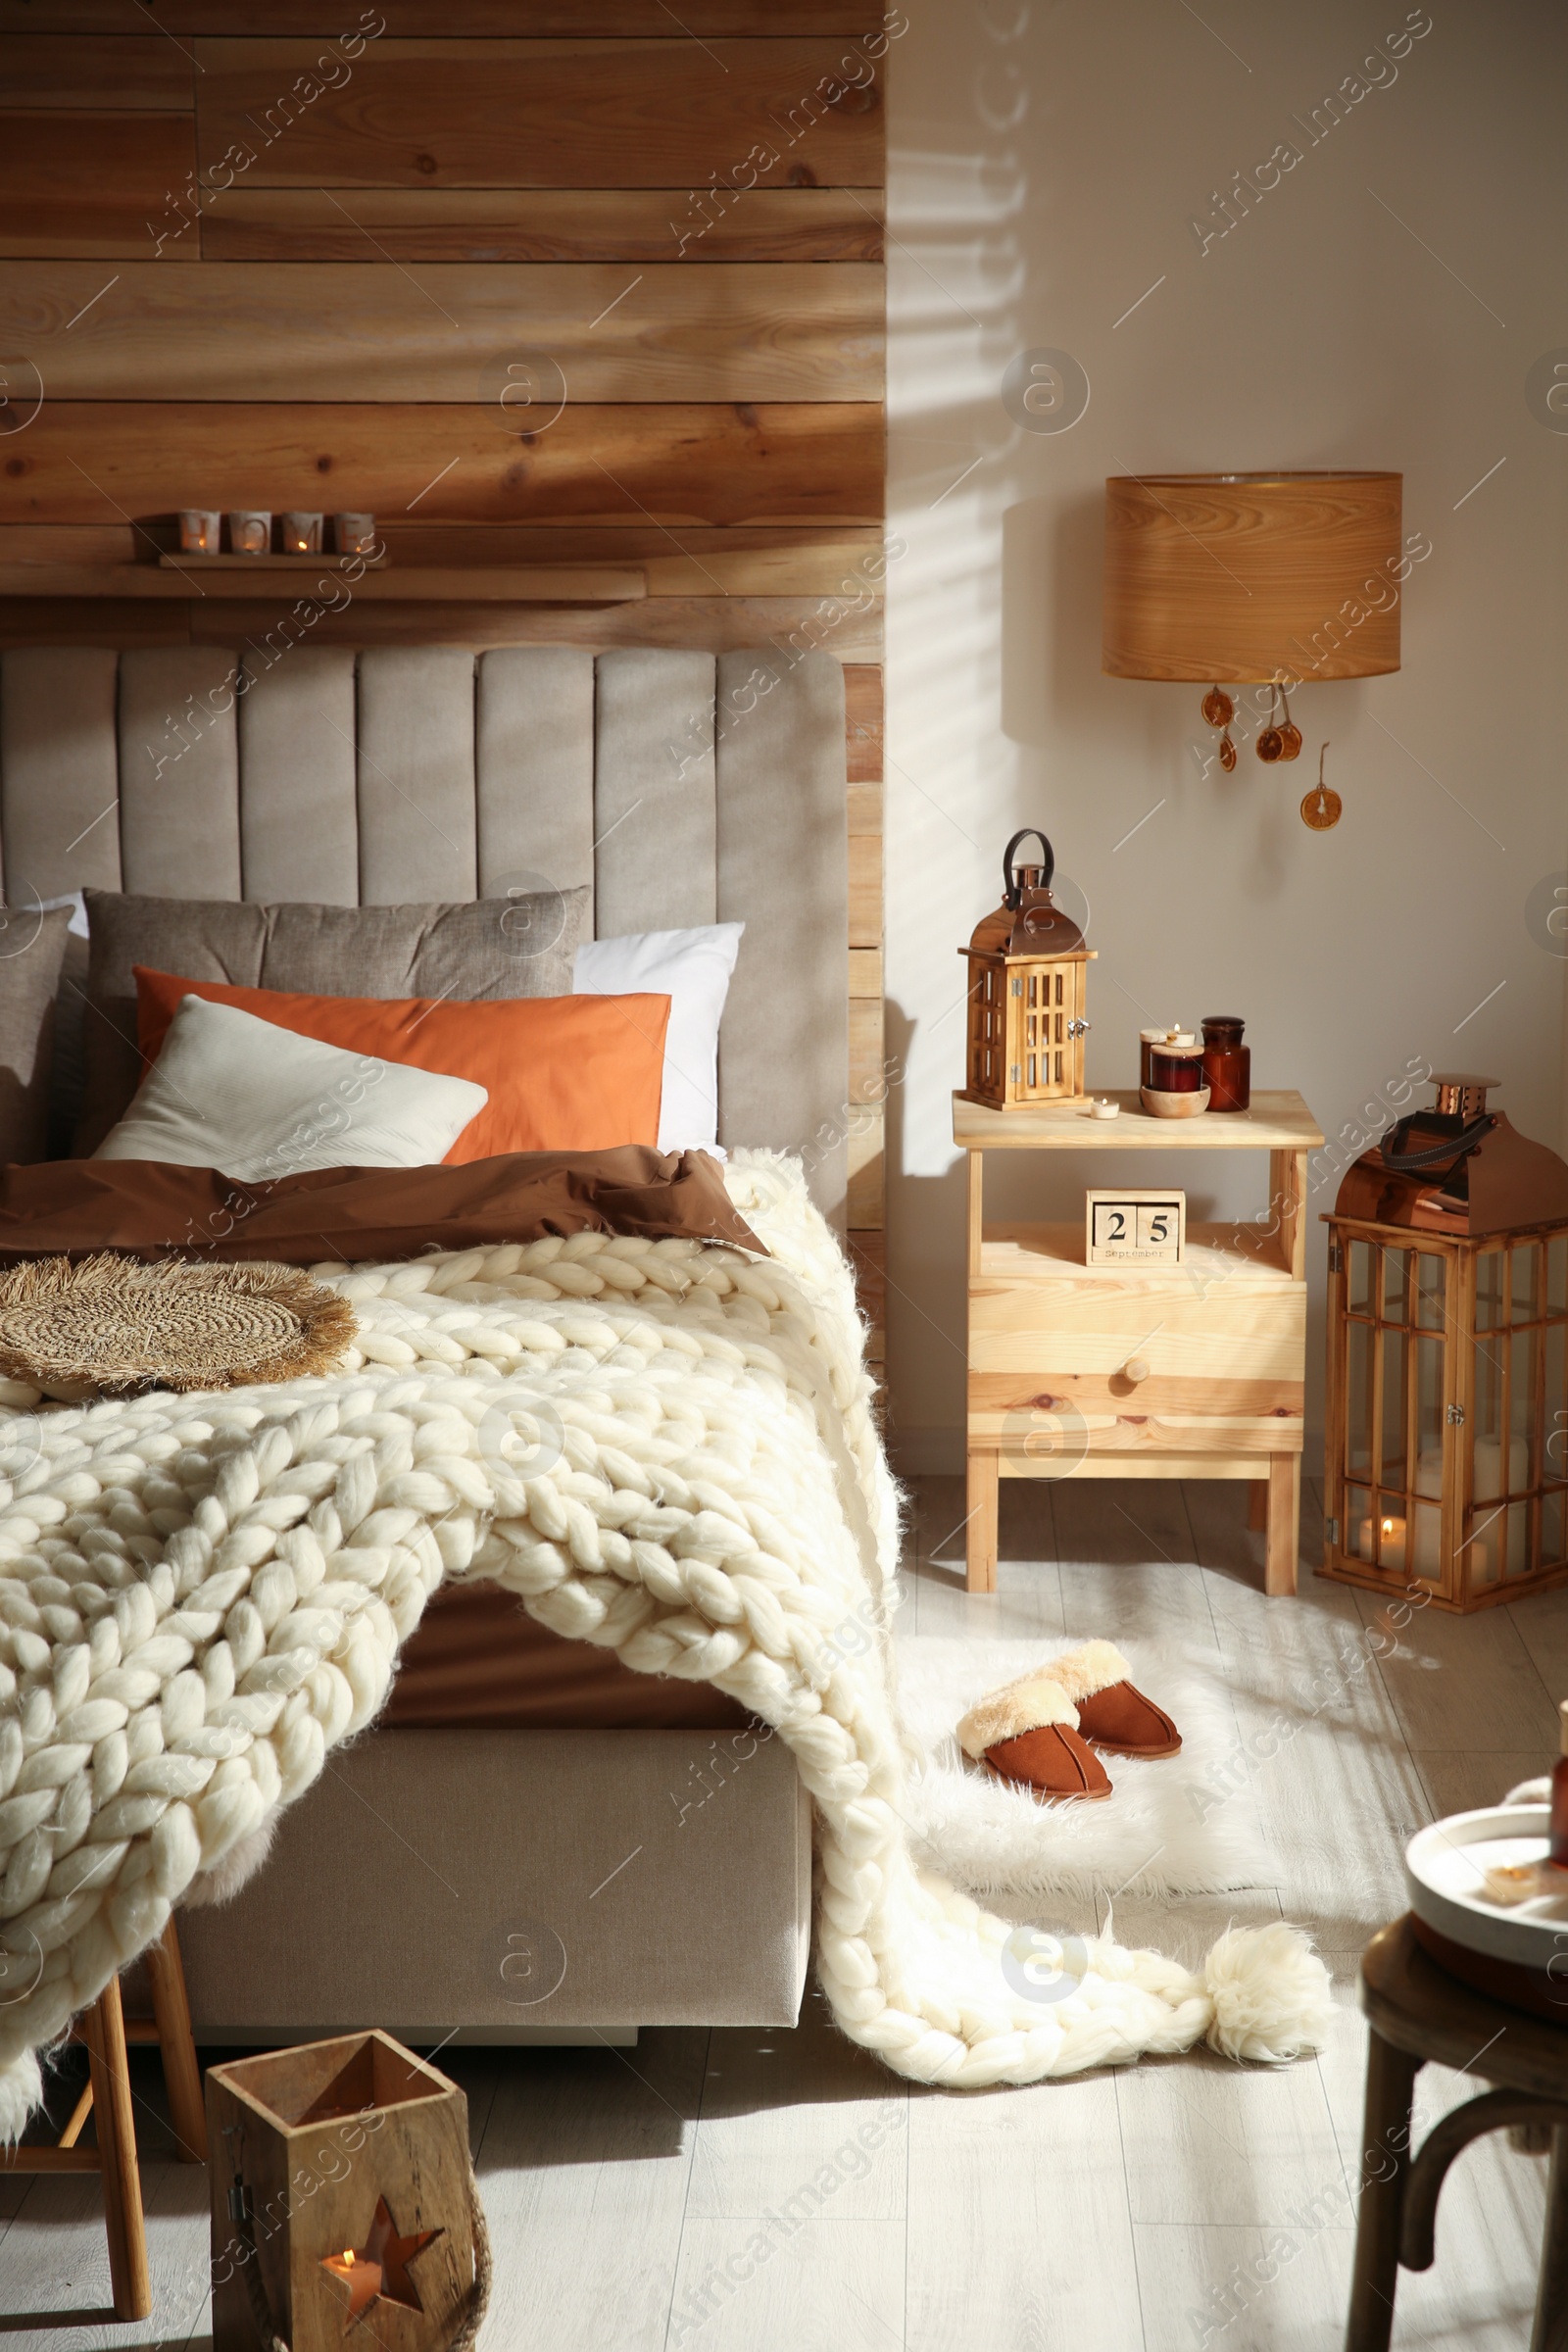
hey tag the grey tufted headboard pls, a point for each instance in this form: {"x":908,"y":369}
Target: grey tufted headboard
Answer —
{"x":687,"y":788}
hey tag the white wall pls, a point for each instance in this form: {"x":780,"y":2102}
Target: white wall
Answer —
{"x":1046,"y":161}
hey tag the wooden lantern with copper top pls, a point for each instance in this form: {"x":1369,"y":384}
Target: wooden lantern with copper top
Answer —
{"x":1447,"y":1371}
{"x":1028,"y":968}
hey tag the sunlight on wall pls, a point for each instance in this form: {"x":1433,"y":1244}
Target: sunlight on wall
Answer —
{"x":1047,"y":167}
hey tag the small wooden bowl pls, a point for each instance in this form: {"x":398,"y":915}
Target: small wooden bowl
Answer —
{"x":1161,"y":1105}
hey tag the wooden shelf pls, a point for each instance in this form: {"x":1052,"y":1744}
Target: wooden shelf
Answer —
{"x":1238,"y":1257}
{"x":329,"y":561}
{"x":1276,"y":1122}
{"x":282,"y":578}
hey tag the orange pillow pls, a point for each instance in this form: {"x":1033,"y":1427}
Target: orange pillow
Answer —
{"x":564,"y":1073}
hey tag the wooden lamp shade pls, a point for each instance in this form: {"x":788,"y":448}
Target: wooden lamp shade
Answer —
{"x":1234,"y":576}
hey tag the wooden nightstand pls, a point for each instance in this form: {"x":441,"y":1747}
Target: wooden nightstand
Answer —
{"x":1117,"y":1371}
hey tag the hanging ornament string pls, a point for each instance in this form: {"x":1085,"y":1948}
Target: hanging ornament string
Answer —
{"x":1290,"y":733}
{"x":1271,"y":742}
{"x":1218,"y":709}
{"x":1322,"y":806}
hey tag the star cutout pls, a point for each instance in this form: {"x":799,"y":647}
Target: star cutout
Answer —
{"x":379,"y":2271}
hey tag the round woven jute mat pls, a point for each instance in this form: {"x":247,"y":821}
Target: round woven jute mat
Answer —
{"x":108,"y":1325}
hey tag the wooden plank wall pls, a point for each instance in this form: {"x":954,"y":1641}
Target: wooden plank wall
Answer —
{"x":285,"y":253}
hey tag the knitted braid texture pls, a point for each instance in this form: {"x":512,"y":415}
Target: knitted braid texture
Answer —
{"x":201,"y":1596}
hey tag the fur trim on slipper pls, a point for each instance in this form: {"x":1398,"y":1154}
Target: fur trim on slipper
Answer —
{"x":1092,"y":1666}
{"x":1026,"y":1705}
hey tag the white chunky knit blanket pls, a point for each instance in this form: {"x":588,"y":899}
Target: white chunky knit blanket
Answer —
{"x":199,"y":1597}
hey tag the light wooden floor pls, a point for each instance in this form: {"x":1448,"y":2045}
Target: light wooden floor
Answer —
{"x":1186,"y":2204}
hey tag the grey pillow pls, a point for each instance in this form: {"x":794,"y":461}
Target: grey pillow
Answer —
{"x":476,"y":952}
{"x":32,"y":947}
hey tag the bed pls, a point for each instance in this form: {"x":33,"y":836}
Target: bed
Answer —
{"x":666,"y":1874}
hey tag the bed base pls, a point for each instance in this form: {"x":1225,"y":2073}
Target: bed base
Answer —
{"x":508,"y":1884}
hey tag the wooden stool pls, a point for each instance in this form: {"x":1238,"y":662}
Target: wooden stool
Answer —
{"x":1416,"y":2013}
{"x":106,"y":2031}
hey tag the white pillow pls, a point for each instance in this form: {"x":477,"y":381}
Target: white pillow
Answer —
{"x":254,"y":1101}
{"x":693,"y":969}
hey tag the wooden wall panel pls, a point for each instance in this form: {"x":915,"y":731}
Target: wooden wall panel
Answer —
{"x":139,"y":69}
{"x":335,"y":331}
{"x":541,"y":225}
{"x":681,"y":204}
{"x":86,"y":463}
{"x":717,"y":623}
{"x":95,"y":183}
{"x":578,"y":20}
{"x":863,"y":694}
{"x":661,"y":113}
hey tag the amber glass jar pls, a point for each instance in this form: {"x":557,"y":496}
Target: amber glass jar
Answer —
{"x":1176,"y":1069}
{"x":1227,"y":1063}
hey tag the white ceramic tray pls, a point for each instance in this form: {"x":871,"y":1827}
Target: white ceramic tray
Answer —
{"x":1444,"y":1866}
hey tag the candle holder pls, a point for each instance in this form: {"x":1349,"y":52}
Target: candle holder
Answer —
{"x":201,"y":531}
{"x":1448,"y":1373}
{"x":1028,"y":969}
{"x":302,"y":534}
{"x":250,"y":530}
{"x":355,"y":535}
{"x":341,"y":2182}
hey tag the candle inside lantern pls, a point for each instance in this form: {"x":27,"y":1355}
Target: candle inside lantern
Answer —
{"x":1391,"y":1540}
{"x":361,"y":2276}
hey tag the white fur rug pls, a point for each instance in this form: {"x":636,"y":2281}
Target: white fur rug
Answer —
{"x":1159,"y":1832}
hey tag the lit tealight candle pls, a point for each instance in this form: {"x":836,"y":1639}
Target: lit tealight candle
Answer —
{"x":361,"y":2276}
{"x":1390,"y":1542}
{"x":302,"y":534}
{"x":1105,"y":1106}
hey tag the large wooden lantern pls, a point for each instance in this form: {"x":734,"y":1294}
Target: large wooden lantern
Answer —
{"x":1447,"y":1371}
{"x":343,"y":2201}
{"x":1028,"y":968}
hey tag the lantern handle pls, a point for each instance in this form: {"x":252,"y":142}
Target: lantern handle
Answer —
{"x":1011,"y":888}
{"x":1450,"y":1147}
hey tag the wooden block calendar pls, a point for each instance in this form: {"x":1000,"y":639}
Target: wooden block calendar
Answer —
{"x":1141,"y":1225}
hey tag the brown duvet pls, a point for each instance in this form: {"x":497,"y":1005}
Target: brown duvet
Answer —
{"x":475,"y":1658}
{"x":72,"y":1207}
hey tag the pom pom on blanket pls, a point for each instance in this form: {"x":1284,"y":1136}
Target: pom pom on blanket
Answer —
{"x":1270,"y":1992}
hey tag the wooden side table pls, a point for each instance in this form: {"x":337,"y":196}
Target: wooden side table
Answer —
{"x":1418,"y":2013}
{"x":1189,"y":1371}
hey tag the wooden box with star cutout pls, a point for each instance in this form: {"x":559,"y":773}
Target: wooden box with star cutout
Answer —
{"x":341,"y":2200}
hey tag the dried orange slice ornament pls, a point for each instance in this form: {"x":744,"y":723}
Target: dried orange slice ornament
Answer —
{"x":1322,"y":806}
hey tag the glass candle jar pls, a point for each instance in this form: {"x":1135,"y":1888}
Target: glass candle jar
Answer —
{"x":354,"y":534}
{"x":301,"y":533}
{"x":1149,"y":1042}
{"x":250,"y":530}
{"x":200,"y":531}
{"x":1176,"y":1069}
{"x":1227,"y":1063}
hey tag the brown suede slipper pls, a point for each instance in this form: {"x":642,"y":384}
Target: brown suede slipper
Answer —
{"x":1027,"y":1732}
{"x":1111,"y":1714}
{"x":1052,"y":1762}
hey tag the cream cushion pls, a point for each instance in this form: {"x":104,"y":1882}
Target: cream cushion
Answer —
{"x":255,"y":1102}
{"x":693,"y":969}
